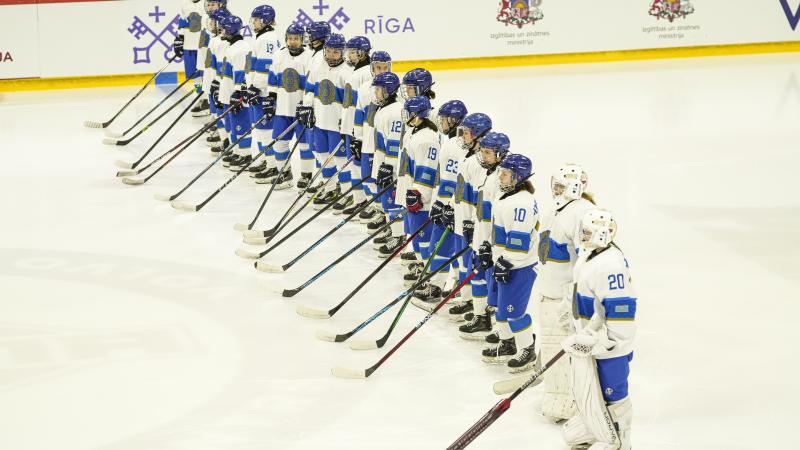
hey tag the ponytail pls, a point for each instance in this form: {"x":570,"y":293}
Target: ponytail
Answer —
{"x":589,"y":197}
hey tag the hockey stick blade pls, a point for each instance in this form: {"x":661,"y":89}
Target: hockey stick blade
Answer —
{"x":256,"y":234}
{"x":312,"y":313}
{"x":163,"y":197}
{"x":110,"y":141}
{"x":263,"y":267}
{"x":183,"y":206}
{"x":289,"y":292}
{"x":241,"y":227}
{"x":113,"y":134}
{"x":123,"y":164}
{"x":363,"y":345}
{"x":246,"y":254}
{"x":325,"y":335}
{"x":92,"y":124}
{"x":510,"y":385}
{"x":132,"y":181}
{"x":343,"y":372}
{"x":127,"y":173}
{"x":254,"y":240}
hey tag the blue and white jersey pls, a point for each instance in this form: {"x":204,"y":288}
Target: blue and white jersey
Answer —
{"x":488,"y":193}
{"x":358,"y":78}
{"x":452,"y":155}
{"x":205,"y":60}
{"x":325,"y":92}
{"x":235,"y":66}
{"x":287,"y":79}
{"x":388,"y":126}
{"x":470,"y":179}
{"x":604,"y":295}
{"x":217,"y":48}
{"x":265,"y":48}
{"x":557,"y":253}
{"x":515,"y":220}
{"x":364,"y":118}
{"x":190,"y":24}
{"x":419,"y":165}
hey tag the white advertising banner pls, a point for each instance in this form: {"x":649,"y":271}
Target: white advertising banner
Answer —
{"x":121,"y":37}
{"x":19,"y":45}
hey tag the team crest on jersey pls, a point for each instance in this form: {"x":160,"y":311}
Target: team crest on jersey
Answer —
{"x":153,"y":36}
{"x":321,"y":14}
{"x":372,"y":109}
{"x":520,"y":12}
{"x":291,"y":80}
{"x":327,"y":92}
{"x":671,"y":9}
{"x":347,"y":99}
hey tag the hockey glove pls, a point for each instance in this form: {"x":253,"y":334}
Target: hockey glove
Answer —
{"x":502,"y":270}
{"x":385,"y":176}
{"x":238,"y":99}
{"x":449,"y":217}
{"x":484,"y":260}
{"x":305,"y":114}
{"x":177,"y":47}
{"x":437,"y":213}
{"x":469,"y":231}
{"x":215,"y":94}
{"x":253,"y":95}
{"x":413,"y":200}
{"x":269,"y":103}
{"x":355,"y":148}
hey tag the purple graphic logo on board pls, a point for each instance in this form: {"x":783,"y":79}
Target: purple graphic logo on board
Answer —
{"x":320,"y":12}
{"x":520,"y":12}
{"x":671,"y":9}
{"x":792,"y":16}
{"x":152,"y":36}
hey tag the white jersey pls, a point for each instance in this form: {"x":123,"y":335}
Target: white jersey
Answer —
{"x":515,"y":219}
{"x":287,"y":79}
{"x":357,"y":79}
{"x":234,"y":69}
{"x":452,"y":156}
{"x":557,"y":253}
{"x":204,"y":61}
{"x":217,"y":48}
{"x":604,"y":296}
{"x":265,"y":47}
{"x":388,"y":125}
{"x":488,"y":194}
{"x":191,"y":23}
{"x":471,"y":177}
{"x":364,"y":118}
{"x":325,"y":92}
{"x":419,"y":164}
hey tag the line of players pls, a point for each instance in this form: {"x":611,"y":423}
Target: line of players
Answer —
{"x":449,"y":166}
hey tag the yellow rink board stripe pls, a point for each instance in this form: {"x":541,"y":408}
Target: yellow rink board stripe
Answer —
{"x":30,"y":84}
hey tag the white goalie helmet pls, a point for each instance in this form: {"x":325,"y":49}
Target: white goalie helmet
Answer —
{"x":568,"y":183}
{"x":597,"y":230}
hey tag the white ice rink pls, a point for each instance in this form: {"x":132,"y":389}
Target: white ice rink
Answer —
{"x":128,"y":325}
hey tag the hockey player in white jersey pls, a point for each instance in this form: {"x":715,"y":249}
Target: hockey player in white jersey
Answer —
{"x":233,"y":90}
{"x":362,"y":145}
{"x":515,"y":221}
{"x":557,"y":256}
{"x":212,"y":78}
{"x":187,"y":41}
{"x":449,"y":117}
{"x":287,"y":82}
{"x":325,"y":97}
{"x":418,"y":171}
{"x":602,"y":347}
{"x":202,"y":108}
{"x":265,"y":46}
{"x":357,"y":57}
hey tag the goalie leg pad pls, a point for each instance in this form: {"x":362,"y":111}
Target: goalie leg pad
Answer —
{"x":590,"y":402}
{"x":576,"y":433}
{"x":558,"y":403}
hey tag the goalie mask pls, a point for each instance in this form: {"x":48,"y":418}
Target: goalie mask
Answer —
{"x":568,"y":184}
{"x":597,"y":230}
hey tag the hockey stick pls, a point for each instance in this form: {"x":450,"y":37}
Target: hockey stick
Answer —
{"x":247,"y":229}
{"x":500,"y":408}
{"x":171,"y":126}
{"x":92,"y":124}
{"x":109,"y":133}
{"x":324,"y":335}
{"x":293,"y":292}
{"x":112,"y":141}
{"x":264,"y":202}
{"x":259,"y":237}
{"x":170,"y":198}
{"x":341,"y":372}
{"x":185,"y":145}
{"x":370,"y":344}
{"x":320,"y":314}
{"x":190,"y":207}
{"x":510,"y":385}
{"x":275,"y":269}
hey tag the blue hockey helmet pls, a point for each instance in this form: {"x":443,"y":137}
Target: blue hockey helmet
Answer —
{"x":231,"y":25}
{"x":358,"y":48}
{"x":416,"y":107}
{"x":450,"y":115}
{"x":265,"y":13}
{"x":381,"y":61}
{"x":385,"y":85}
{"x":318,"y":31}
{"x":295,"y":29}
{"x":334,"y":50}
{"x":416,"y":82}
{"x":216,"y":17}
{"x":472,"y":129}
{"x":214,"y":5}
{"x":521,"y":169}
{"x":498,"y":143}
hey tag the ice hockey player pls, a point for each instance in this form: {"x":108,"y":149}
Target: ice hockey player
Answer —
{"x":357,"y":57}
{"x":187,"y":41}
{"x":363,"y":143}
{"x":219,"y":137}
{"x":515,"y":218}
{"x":233,"y":91}
{"x":317,"y":34}
{"x":602,"y":347}
{"x":287,"y":82}
{"x":557,"y":258}
{"x":448,"y":118}
{"x":265,"y":46}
